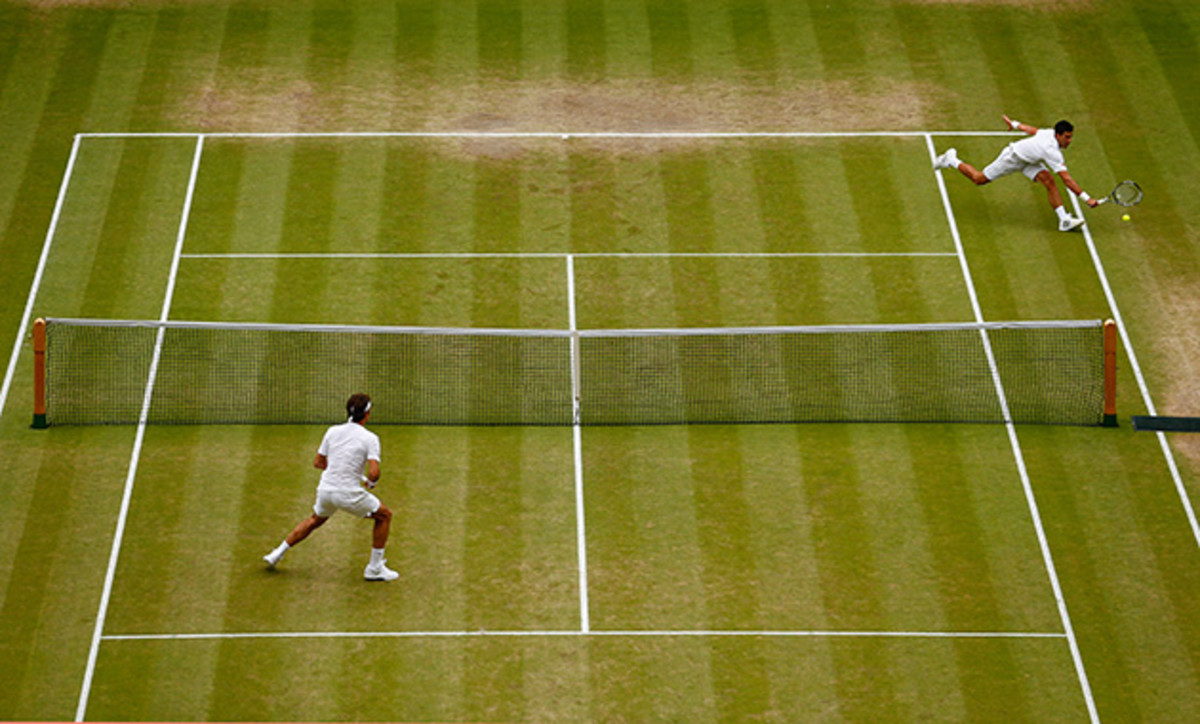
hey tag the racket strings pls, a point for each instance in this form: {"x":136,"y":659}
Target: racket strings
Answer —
{"x":1127,"y":193}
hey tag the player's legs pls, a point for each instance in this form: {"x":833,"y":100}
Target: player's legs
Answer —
{"x":1066,"y":222}
{"x":976,"y":176}
{"x":305,"y":528}
{"x":383,"y":525}
{"x":1045,"y":178}
{"x":377,"y":569}
{"x":299,"y":533}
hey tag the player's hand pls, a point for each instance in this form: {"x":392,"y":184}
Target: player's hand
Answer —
{"x":1007,"y":121}
{"x":1093,"y":203}
{"x":368,"y":483}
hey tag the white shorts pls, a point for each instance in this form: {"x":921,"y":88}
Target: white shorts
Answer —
{"x":356,"y":502}
{"x":1009,"y":162}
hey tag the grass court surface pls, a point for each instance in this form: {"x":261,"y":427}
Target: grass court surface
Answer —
{"x":726,"y":164}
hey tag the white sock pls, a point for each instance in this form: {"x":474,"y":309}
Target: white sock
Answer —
{"x":376,"y":556}
{"x":1062,"y":212}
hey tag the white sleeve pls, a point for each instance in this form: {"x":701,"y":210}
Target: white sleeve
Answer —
{"x":1056,"y":162}
{"x":323,"y":448}
{"x":373,"y":449}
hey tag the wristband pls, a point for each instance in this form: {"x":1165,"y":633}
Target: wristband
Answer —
{"x":1015,"y":125}
{"x":1083,"y":196}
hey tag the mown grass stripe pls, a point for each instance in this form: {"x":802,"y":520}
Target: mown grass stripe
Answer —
{"x":840,"y":42}
{"x":497,"y":207}
{"x":587,"y":42}
{"x":671,"y":55}
{"x":499,"y":37}
{"x":103,"y":290}
{"x":13,"y":25}
{"x":998,"y":35}
{"x":851,"y":591}
{"x":689,"y":218}
{"x":731,"y":579}
{"x":71,"y":78}
{"x":1179,"y":55}
{"x":966,"y":586}
{"x":754,"y":39}
{"x":415,"y":39}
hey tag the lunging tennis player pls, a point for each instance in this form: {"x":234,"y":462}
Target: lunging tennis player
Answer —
{"x":1035,"y":157}
{"x":349,"y":460}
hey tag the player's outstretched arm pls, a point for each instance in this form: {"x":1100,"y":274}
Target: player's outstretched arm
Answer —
{"x":1076,"y":189}
{"x":1018,"y":126}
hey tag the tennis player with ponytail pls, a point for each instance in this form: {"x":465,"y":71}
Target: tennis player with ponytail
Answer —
{"x":349,"y":460}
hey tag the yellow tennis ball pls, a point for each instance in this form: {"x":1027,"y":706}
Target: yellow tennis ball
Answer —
{"x":1125,"y":217}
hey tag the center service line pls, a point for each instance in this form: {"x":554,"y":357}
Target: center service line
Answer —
{"x":577,"y":434}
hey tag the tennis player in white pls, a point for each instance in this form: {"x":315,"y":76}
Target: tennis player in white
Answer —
{"x":349,"y":460}
{"x":1036,"y":157}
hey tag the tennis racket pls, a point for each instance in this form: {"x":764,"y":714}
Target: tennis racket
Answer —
{"x":1127,"y":193}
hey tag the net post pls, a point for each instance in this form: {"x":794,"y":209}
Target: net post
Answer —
{"x":1110,"y":374}
{"x":39,"y":375}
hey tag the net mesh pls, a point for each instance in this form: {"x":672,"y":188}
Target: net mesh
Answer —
{"x":99,"y":372}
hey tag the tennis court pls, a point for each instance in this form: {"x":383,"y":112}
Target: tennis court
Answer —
{"x":679,"y":572}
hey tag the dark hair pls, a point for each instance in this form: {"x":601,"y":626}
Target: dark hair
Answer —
{"x":1063,"y":127}
{"x":357,"y":406}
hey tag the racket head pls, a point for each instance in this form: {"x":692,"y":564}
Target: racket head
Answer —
{"x":1127,"y":193}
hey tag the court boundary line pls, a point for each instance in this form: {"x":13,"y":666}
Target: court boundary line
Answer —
{"x":36,"y":285}
{"x":68,"y":174}
{"x":585,"y":624}
{"x":564,"y":254}
{"x":1018,"y":454}
{"x":1136,"y":368}
{"x":597,"y":633}
{"x":561,"y":135}
{"x":139,"y":437}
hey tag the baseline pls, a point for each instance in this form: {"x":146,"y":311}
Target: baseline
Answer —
{"x":561,"y":135}
{"x":483,"y":633}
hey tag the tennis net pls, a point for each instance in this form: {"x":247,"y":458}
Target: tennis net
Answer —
{"x":122,"y":372}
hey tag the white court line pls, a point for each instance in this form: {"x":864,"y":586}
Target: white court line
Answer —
{"x":37,"y":276}
{"x":577,"y":435}
{"x":582,"y":634}
{"x":561,"y":135}
{"x":1018,"y":455}
{"x":1168,"y":455}
{"x":119,"y":535}
{"x":562,"y":255}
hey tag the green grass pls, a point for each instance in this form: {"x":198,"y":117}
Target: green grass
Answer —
{"x":879,"y":528}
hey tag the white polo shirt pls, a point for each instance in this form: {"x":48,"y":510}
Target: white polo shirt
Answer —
{"x":1041,"y":147}
{"x":347,"y":447}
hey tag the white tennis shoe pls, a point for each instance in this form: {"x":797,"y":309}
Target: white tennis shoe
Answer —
{"x":272,"y":559}
{"x":1069,"y":224}
{"x":949,"y":159}
{"x":380,"y":572}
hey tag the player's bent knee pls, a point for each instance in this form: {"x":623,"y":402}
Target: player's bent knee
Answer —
{"x":383,"y":513}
